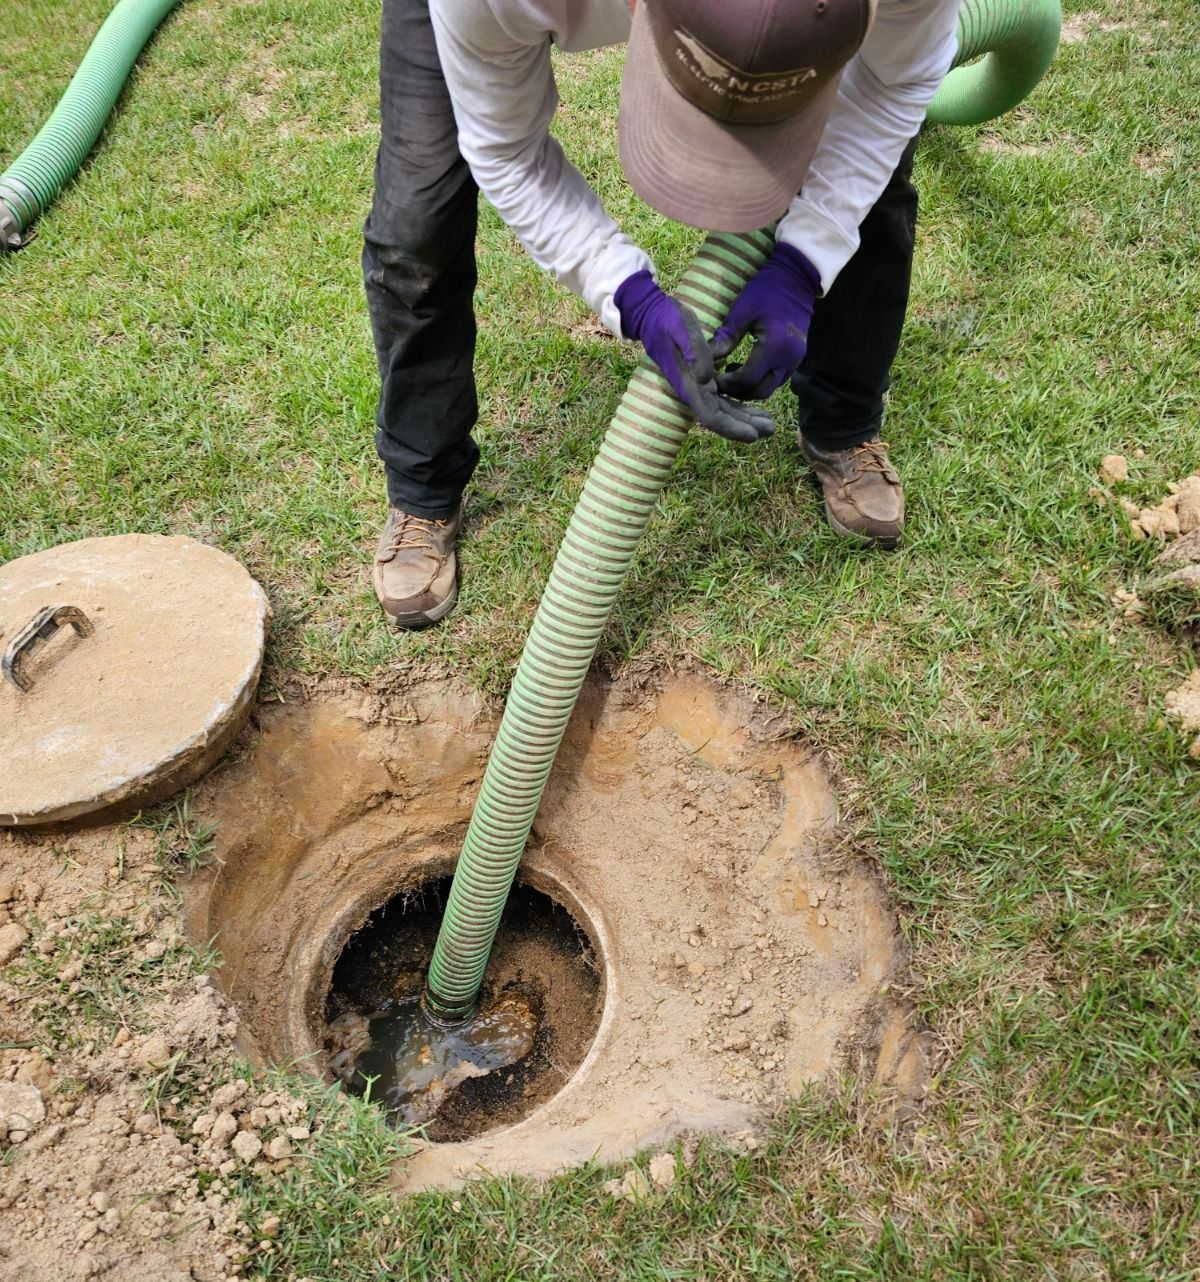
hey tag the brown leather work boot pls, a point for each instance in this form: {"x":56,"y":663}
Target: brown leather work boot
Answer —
{"x":863,"y":495}
{"x":416,"y":571}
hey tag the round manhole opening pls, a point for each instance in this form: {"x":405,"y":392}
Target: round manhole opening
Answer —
{"x":545,"y":962}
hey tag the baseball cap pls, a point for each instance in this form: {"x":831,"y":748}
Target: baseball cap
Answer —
{"x":723,"y":102}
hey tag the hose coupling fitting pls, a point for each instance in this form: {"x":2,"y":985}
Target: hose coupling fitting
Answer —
{"x":18,"y":208}
{"x":445,"y":1016}
{"x":11,"y":236}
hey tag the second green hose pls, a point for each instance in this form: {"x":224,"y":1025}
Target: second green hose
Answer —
{"x":35,"y":177}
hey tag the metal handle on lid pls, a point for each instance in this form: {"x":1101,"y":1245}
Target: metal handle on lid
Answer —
{"x":34,"y":635}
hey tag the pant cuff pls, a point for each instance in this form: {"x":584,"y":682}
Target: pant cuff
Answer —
{"x":439,"y":509}
{"x":834,"y":437}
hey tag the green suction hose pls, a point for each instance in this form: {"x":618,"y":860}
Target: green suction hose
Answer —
{"x":634,"y":462}
{"x":1018,"y":39}
{"x":635,"y":459}
{"x":37,"y":175}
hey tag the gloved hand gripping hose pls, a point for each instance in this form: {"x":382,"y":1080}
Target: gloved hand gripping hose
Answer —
{"x":635,"y":459}
{"x":634,"y":462}
{"x":35,"y":177}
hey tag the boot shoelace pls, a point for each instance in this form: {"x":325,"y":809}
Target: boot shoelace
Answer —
{"x":872,"y":456}
{"x":415,"y":532}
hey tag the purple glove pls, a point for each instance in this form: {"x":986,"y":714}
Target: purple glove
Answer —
{"x":674,"y":341}
{"x":776,"y":306}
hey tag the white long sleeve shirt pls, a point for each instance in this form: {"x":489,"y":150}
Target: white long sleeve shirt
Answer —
{"x":495,"y":55}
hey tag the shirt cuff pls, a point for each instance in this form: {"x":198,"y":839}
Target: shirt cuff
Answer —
{"x":826,"y":244}
{"x":614,"y":266}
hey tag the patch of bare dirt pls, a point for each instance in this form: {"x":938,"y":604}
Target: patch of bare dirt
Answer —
{"x":122,"y":1125}
{"x":742,"y":956}
{"x":996,"y":145}
{"x":1079,"y":27}
{"x":100,"y":1183}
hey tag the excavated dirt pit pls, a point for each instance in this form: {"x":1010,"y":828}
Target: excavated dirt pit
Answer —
{"x":696,"y":943}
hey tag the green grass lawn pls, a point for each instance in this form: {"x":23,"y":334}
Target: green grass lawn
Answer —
{"x":185,"y":349}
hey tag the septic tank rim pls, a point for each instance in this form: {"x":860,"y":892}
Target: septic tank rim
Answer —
{"x":318,"y":954}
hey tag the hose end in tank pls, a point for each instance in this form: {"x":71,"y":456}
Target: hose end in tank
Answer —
{"x":443,"y":1015}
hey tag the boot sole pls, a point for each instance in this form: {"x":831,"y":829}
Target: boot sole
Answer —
{"x":417,"y":620}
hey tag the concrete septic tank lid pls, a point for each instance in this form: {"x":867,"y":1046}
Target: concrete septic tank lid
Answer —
{"x":137,"y":688}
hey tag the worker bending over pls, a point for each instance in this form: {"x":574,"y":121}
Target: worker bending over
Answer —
{"x":734,"y":113}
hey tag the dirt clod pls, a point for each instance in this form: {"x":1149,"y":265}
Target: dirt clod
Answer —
{"x":247,"y":1146}
{"x":1183,"y":705}
{"x":12,"y":940}
{"x":153,"y":1052}
{"x":223,"y":1129}
{"x":226,"y":1096}
{"x":279,"y":1148}
{"x":21,"y":1110}
{"x":632,"y":1186}
{"x":662,"y":1170}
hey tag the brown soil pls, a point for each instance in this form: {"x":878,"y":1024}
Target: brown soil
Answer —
{"x":541,"y":954}
{"x":1183,"y":706}
{"x":739,"y":955}
{"x":101,"y":1184}
{"x":743,"y":956}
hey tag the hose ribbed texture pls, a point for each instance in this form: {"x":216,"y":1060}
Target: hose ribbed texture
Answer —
{"x":634,"y":462}
{"x":36,"y":176}
{"x":1018,"y":37}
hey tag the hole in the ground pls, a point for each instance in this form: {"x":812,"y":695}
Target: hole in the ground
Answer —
{"x":742,"y":954}
{"x":543,"y":962}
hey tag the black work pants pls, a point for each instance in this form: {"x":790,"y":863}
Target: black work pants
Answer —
{"x":855,"y":329}
{"x":419,"y":271}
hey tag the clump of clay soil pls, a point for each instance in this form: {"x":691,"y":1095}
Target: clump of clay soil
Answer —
{"x":1175,"y":513}
{"x":1183,"y":706}
{"x":1170,"y":595}
{"x":542,"y":956}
